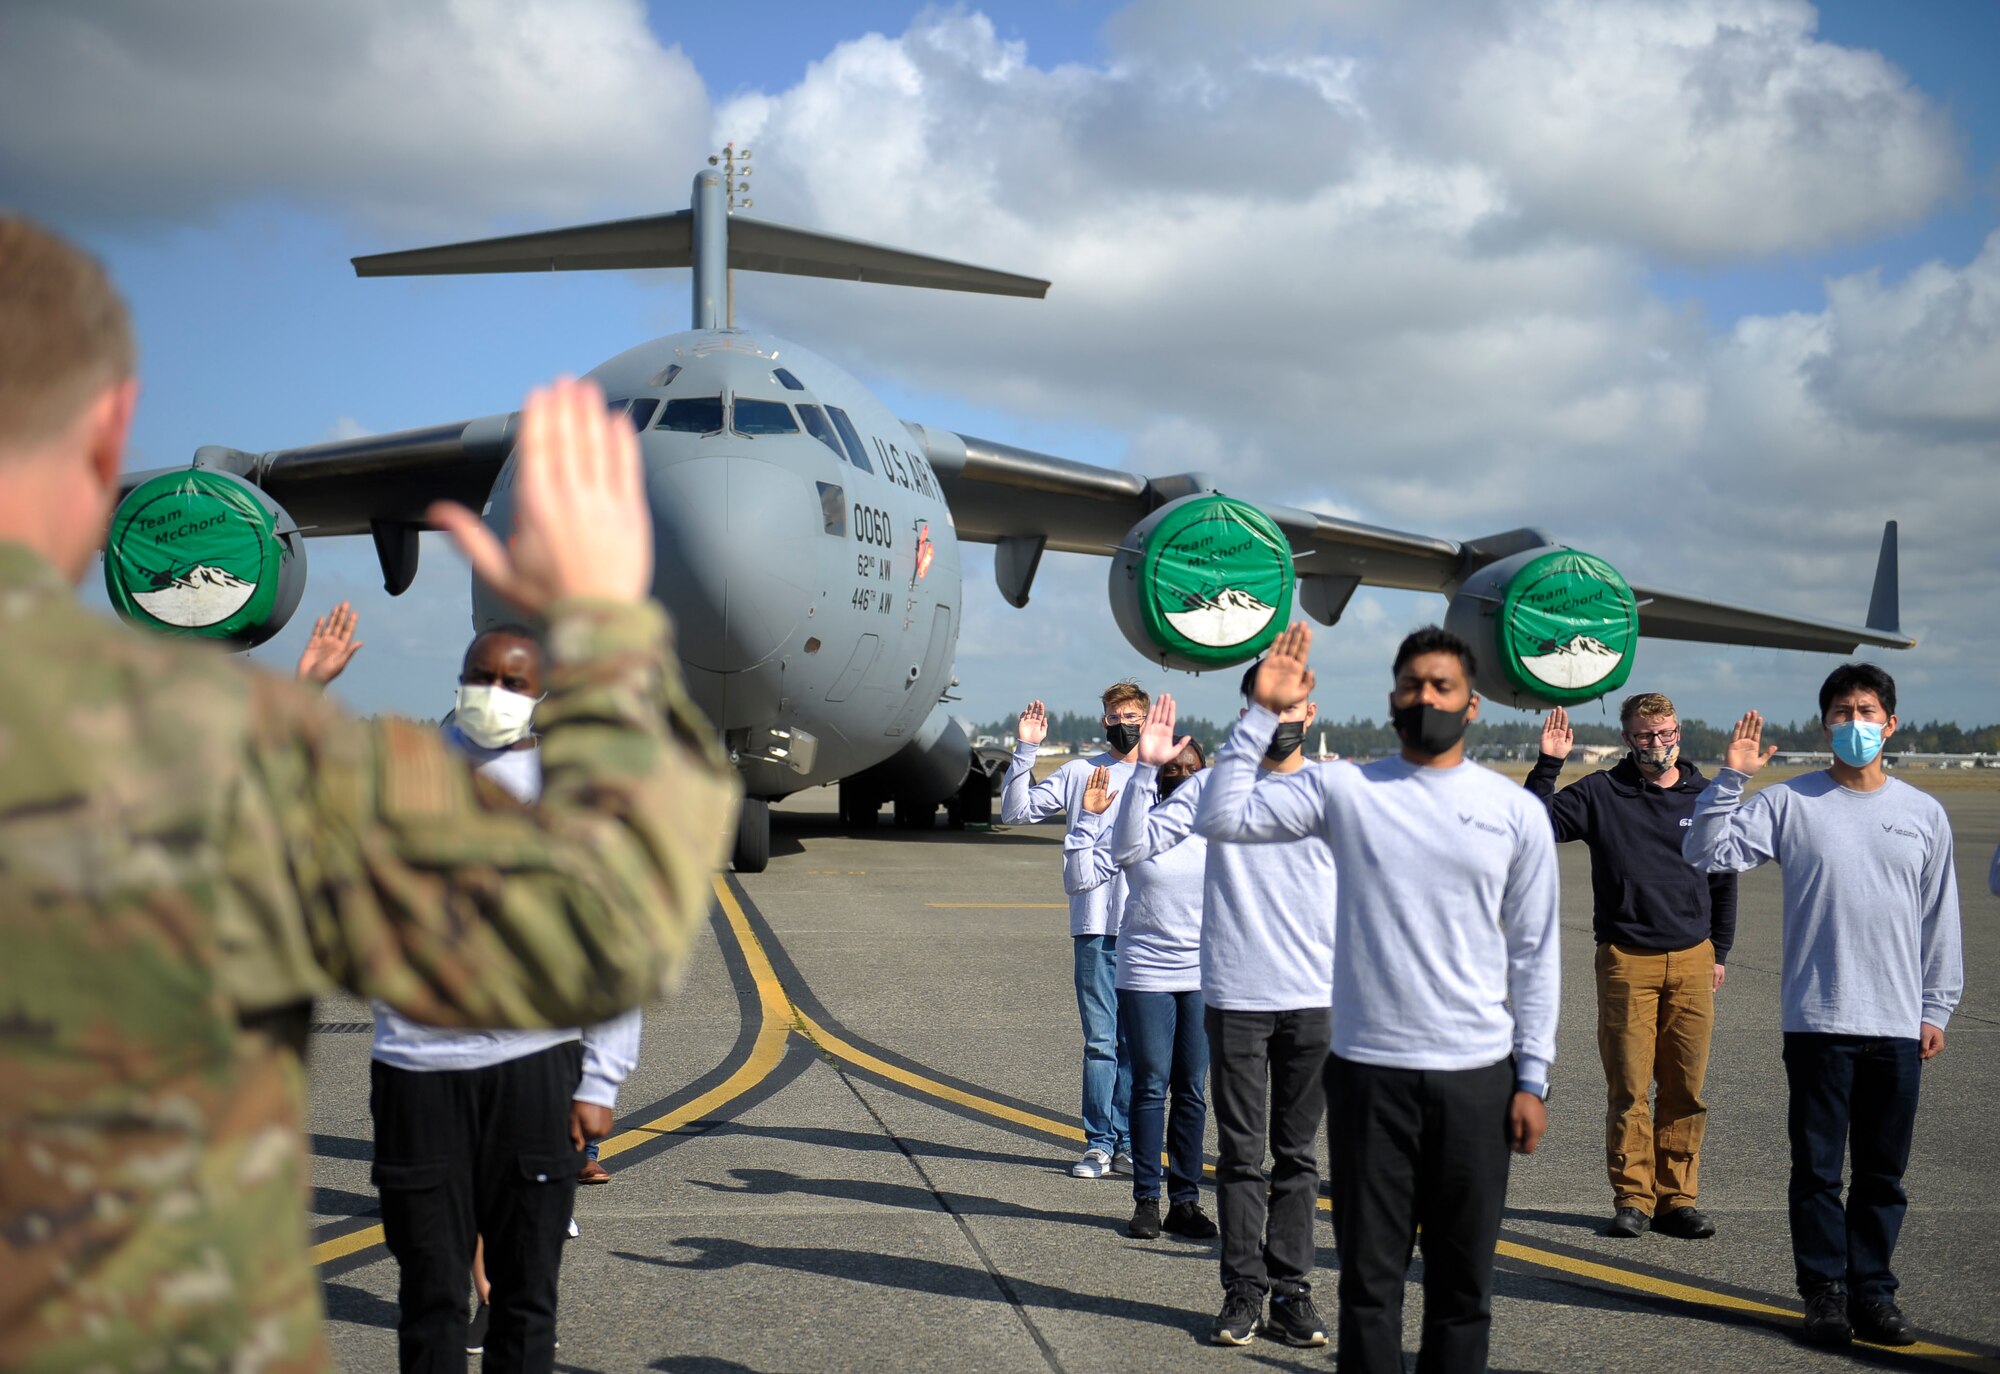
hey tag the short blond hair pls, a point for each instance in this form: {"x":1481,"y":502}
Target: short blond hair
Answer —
{"x":64,"y":333}
{"x":1651,"y":705}
{"x":1122,"y":693}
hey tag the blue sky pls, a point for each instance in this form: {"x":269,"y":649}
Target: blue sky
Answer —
{"x":1720,"y":352}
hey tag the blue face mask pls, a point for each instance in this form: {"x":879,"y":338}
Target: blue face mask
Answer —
{"x":1857,"y":742}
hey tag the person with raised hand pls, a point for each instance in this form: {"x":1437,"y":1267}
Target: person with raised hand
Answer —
{"x":330,"y":647}
{"x":1094,"y":915}
{"x":171,"y":984}
{"x":1871,"y":973}
{"x":1159,"y":961}
{"x":1663,"y":937}
{"x":1446,"y":986}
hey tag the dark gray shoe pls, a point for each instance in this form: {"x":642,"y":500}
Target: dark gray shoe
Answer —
{"x":1826,"y":1316}
{"x":1294,"y":1320}
{"x":1241,"y":1315}
{"x":1187,"y":1219}
{"x":1684,"y":1223}
{"x":1880,"y":1323}
{"x":1628,"y":1222}
{"x":1145,"y":1222}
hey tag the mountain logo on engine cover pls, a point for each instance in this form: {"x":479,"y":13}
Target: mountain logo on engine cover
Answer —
{"x":193,"y":552}
{"x":1568,"y":626}
{"x":1215,"y":581}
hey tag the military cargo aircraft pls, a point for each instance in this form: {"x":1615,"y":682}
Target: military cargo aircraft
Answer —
{"x":808,"y":539}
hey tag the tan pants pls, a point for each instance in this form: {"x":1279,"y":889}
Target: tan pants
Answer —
{"x":1655,"y":1015}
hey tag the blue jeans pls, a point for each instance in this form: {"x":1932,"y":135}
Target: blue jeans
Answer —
{"x":1107,"y":1067}
{"x":1852,"y":1095}
{"x":1169,"y":1047}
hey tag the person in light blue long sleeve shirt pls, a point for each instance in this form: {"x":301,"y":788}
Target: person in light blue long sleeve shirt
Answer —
{"x":1872,"y":971}
{"x":1094,"y":916}
{"x":1158,"y":979}
{"x":1447,"y":981}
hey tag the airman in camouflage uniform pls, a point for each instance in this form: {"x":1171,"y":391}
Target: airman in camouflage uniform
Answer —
{"x":190,"y":851}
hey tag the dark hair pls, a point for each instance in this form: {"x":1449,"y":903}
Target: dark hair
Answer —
{"x":1865,"y":676}
{"x":1432,"y":639}
{"x":1193,"y":747}
{"x":1250,"y":678}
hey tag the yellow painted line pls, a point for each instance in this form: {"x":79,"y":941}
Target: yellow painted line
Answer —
{"x":999,"y":906}
{"x":774,"y":1025}
{"x":860,"y":1058}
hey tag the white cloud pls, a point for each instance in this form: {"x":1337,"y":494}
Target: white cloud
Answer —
{"x":422,"y":117}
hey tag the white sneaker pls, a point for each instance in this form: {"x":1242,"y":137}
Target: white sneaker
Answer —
{"x":1094,"y":1164}
{"x":573,"y":1232}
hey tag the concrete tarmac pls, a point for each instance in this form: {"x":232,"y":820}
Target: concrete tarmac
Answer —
{"x":847,"y":1142}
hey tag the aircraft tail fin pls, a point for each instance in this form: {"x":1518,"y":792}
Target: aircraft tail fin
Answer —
{"x":669,"y":241}
{"x":1885,"y":602}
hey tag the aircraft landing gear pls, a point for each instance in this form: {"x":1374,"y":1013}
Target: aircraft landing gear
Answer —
{"x":752,"y":853}
{"x":858,"y":807}
{"x":912,"y":814}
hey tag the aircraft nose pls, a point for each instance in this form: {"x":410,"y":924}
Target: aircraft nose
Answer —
{"x":731,"y":556}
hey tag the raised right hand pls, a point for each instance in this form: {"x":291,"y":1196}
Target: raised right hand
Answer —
{"x":1157,"y":744}
{"x":1097,"y":793}
{"x":1746,"y":753}
{"x":581,"y":523}
{"x":1557,"y":737}
{"x":1284,"y":680}
{"x":1033,"y":727}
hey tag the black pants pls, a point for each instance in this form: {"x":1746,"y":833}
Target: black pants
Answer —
{"x":470,"y":1153}
{"x":1850,"y":1095}
{"x":1415,"y":1147}
{"x":1267,"y":1066}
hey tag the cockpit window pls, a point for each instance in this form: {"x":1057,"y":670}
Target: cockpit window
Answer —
{"x":764,"y":417}
{"x":852,"y":437}
{"x":666,"y":376}
{"x":693,"y":415}
{"x":642,"y":411}
{"x":821,"y":428}
{"x":787,"y":380}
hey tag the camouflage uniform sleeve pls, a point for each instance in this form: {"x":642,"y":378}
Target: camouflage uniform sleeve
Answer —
{"x":430,"y":888}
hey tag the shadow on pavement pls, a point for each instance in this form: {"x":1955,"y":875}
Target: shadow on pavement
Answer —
{"x":876,"y":1143}
{"x":774,"y":1182}
{"x":346,"y":1303}
{"x":1579,"y":1221}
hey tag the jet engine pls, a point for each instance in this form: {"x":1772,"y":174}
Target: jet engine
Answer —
{"x":1203,"y":582}
{"x":1549,"y":626}
{"x":203,"y":552}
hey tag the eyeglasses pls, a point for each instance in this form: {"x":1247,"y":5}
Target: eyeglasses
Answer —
{"x":1655,"y":736}
{"x":1126,"y":718}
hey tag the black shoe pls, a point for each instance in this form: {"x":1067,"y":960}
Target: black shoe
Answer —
{"x":475,"y":1330}
{"x":1628,"y":1222}
{"x":1239,"y":1319}
{"x":1145,"y":1222}
{"x":1187,"y":1219}
{"x":1880,"y":1323}
{"x":1684,"y":1223}
{"x":1826,"y":1316}
{"x":1294,"y":1320}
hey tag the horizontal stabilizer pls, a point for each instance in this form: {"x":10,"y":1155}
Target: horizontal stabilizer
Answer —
{"x":668,"y":241}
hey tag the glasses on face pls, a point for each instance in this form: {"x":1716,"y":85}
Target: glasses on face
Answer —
{"x":1126,"y":718}
{"x":1655,"y":736}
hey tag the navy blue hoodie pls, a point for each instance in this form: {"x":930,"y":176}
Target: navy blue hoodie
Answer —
{"x":1643,"y":893}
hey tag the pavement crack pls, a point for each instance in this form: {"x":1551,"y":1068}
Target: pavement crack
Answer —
{"x":1000,"y":1280}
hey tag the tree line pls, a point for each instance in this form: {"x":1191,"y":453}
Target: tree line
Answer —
{"x":1358,"y":738}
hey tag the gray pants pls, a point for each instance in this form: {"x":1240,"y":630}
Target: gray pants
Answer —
{"x":1267,"y":1066}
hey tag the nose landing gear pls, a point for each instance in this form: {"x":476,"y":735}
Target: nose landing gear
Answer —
{"x":752,"y":852}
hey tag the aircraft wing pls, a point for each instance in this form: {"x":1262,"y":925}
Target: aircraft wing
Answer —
{"x":1025,"y":503}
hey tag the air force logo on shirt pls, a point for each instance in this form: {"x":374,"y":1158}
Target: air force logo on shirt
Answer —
{"x":1890,"y":828}
{"x":1467,"y":818}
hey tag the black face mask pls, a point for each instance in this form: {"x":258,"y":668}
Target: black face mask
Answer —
{"x":1169,"y":781}
{"x":1121,"y":737}
{"x":1427,"y":729}
{"x":1285,"y":740}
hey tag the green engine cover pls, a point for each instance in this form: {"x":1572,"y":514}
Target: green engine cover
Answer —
{"x":204,"y":553}
{"x":1568,"y":625}
{"x":1204,"y":582}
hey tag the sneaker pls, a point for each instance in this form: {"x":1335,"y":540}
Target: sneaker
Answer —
{"x":1121,"y":1162}
{"x":1826,"y":1316}
{"x":1294,"y":1320}
{"x":1241,"y":1315}
{"x":475,"y":1330}
{"x":1880,"y":1323}
{"x":1187,"y":1219}
{"x":1145,"y":1222}
{"x":1094,"y":1164}
{"x":593,"y":1172}
{"x":573,"y":1232}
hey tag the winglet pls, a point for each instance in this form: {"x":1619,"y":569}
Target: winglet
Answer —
{"x":1885,"y":601}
